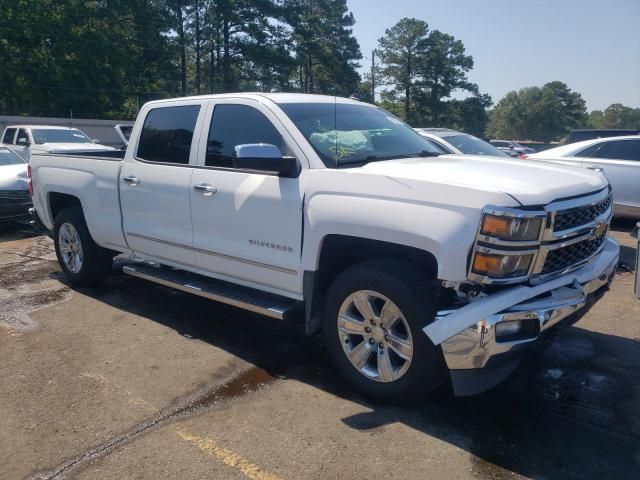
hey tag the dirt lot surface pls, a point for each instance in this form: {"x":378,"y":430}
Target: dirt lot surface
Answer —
{"x":136,"y":381}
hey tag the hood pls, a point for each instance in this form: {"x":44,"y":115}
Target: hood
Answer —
{"x":530,"y":183}
{"x":69,"y":147}
{"x":14,"y":177}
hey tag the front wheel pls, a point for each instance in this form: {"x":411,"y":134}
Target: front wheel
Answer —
{"x":373,"y":327}
{"x":82,"y":260}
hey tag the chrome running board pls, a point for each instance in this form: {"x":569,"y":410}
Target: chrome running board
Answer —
{"x":256,"y":301}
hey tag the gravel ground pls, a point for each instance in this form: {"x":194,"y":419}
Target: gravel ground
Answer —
{"x":133,"y":380}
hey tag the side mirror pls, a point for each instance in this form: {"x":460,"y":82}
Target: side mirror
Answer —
{"x":23,"y":141}
{"x":95,"y":140}
{"x":264,"y":157}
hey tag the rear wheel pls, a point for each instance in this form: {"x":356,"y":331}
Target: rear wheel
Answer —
{"x":82,"y":260}
{"x":373,"y":327}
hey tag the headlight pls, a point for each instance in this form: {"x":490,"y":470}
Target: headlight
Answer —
{"x":511,"y":228}
{"x":501,"y":265}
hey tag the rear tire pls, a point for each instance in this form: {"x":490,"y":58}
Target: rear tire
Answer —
{"x":82,"y":260}
{"x":401,"y":363}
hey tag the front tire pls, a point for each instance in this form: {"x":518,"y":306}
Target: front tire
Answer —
{"x":82,"y":260}
{"x":373,"y":328}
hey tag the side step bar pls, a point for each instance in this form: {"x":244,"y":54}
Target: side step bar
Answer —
{"x":268,"y":304}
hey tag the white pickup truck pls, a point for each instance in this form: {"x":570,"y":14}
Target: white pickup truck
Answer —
{"x":417,"y":268}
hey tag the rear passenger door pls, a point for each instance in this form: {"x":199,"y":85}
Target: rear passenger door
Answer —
{"x":620,"y":160}
{"x":155,"y":181}
{"x":247,"y":225}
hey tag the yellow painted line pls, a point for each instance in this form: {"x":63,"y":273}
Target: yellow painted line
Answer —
{"x":228,"y":457}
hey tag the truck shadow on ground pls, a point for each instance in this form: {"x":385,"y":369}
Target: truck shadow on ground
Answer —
{"x":572,"y":411}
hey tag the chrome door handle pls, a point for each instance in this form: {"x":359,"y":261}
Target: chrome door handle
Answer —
{"x":131,"y":180}
{"x":206,"y":188}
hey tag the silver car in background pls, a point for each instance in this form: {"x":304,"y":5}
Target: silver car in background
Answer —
{"x":451,"y":141}
{"x":15,"y":199}
{"x":618,"y":157}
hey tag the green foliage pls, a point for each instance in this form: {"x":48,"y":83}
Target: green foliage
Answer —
{"x":534,"y":113}
{"x":89,"y":57}
{"x":104,"y":58}
{"x":323,"y":45}
{"x":615,"y":115}
{"x":424,"y":68}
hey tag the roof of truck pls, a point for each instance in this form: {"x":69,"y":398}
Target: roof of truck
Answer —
{"x":274,"y":97}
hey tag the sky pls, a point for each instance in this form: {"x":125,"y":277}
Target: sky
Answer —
{"x":591,"y":45}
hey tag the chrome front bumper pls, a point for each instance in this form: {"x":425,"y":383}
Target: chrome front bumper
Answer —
{"x":476,"y":347}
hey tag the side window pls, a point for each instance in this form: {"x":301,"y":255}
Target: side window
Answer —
{"x":8,"y":136}
{"x":167,"y":134}
{"x":438,"y":146}
{"x":592,"y":151}
{"x":233,"y":125}
{"x":621,"y":150}
{"x":500,"y":144}
{"x":22,"y":134}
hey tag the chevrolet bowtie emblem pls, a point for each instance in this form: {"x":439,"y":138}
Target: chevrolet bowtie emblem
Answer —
{"x":600,"y":229}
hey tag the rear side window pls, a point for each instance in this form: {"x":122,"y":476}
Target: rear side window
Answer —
{"x":234,"y":125}
{"x":438,"y":146}
{"x":621,"y":150}
{"x":167,"y":134}
{"x":591,"y":151}
{"x":8,"y":136}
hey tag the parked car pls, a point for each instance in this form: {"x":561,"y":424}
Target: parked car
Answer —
{"x":334,"y":213}
{"x":618,"y":157}
{"x":513,"y":149}
{"x":455,"y":142}
{"x":15,"y":199}
{"x":27,"y":140}
{"x":593,"y":133}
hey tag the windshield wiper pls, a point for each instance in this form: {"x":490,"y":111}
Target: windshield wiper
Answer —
{"x":378,"y":158}
{"x":427,"y":153}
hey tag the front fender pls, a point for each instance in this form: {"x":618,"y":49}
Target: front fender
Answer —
{"x":445,"y":232}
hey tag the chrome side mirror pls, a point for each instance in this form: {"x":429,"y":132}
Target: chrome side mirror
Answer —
{"x":265,"y":157}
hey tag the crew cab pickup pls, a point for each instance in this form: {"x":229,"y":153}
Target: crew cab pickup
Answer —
{"x":28,"y":139}
{"x":417,"y":267}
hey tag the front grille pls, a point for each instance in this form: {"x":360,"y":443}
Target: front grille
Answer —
{"x":15,"y":196}
{"x":572,"y":255}
{"x":574,"y":217}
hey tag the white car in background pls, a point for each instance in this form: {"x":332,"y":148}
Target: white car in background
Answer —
{"x":27,"y":140}
{"x":454,"y":142}
{"x":618,"y":157}
{"x":15,"y":199}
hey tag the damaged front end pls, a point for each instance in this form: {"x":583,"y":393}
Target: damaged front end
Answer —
{"x":569,"y":263}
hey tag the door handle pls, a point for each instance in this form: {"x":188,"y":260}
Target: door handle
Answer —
{"x":131,"y":180}
{"x":206,"y":188}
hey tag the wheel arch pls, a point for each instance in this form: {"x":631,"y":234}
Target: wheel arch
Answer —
{"x":332,"y":260}
{"x":58,"y":201}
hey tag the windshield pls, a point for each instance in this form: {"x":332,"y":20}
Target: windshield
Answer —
{"x":7,"y":157}
{"x":45,"y":135}
{"x":474,"y":146}
{"x":345,"y":134}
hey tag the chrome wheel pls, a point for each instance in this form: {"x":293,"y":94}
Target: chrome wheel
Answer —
{"x":375,"y":336}
{"x":70,"y":247}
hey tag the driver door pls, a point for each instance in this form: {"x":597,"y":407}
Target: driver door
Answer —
{"x":247,"y":225}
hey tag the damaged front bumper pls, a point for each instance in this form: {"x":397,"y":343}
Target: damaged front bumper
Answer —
{"x":482,"y":341}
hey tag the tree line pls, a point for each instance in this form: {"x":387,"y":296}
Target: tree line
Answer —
{"x":104,"y":58}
